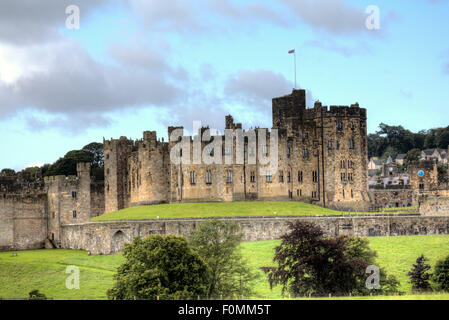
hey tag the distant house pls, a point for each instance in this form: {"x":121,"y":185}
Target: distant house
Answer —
{"x":400,"y":159}
{"x":375,"y":164}
{"x":438,"y":155}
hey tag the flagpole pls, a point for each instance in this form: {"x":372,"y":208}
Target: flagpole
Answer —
{"x":294,"y":56}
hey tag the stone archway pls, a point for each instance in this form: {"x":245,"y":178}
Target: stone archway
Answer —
{"x":118,"y":241}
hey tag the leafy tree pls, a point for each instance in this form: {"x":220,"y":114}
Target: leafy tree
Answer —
{"x":441,"y":275}
{"x":8,"y":173}
{"x":419,"y":275}
{"x":96,"y":149}
{"x":309,"y":263}
{"x":442,"y":173}
{"x":357,"y":247}
{"x":218,"y":243}
{"x":67,"y":165}
{"x":412,"y":155}
{"x":164,"y":267}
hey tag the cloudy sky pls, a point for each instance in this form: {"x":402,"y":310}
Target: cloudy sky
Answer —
{"x":145,"y":64}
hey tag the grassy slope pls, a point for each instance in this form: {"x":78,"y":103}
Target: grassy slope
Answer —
{"x":216,"y":209}
{"x":45,"y":269}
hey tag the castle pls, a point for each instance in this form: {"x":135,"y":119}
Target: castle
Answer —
{"x":322,"y":159}
{"x":321,"y":156}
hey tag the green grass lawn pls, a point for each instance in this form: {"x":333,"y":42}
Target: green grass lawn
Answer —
{"x":45,"y":269}
{"x":218,"y":209}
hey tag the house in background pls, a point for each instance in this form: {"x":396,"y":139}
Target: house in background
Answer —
{"x":400,"y":158}
{"x":437,"y":155}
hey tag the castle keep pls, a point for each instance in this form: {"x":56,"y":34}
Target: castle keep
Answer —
{"x":322,"y":159}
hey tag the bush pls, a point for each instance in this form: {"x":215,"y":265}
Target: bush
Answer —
{"x":164,"y":267}
{"x":218,"y":243}
{"x":36,"y":295}
{"x":441,"y":274}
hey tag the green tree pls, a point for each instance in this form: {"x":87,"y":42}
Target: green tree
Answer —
{"x":67,"y":165}
{"x":8,"y":173}
{"x":412,"y":155}
{"x":441,"y":274}
{"x":442,"y":173}
{"x":218,"y":243}
{"x":164,"y":267}
{"x":96,"y":149}
{"x":357,"y":247}
{"x":419,"y":275}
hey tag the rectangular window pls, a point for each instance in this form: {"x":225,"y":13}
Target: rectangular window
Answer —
{"x":253,"y":177}
{"x":288,"y":177}
{"x":299,"y":176}
{"x":305,"y":153}
{"x":228,"y":177}
{"x":74,"y":194}
{"x":337,"y":145}
{"x":329,"y":145}
{"x":288,"y":152}
{"x":281,"y":176}
{"x":339,"y":125}
{"x":74,"y":214}
{"x":269,"y":178}
{"x":265,"y":150}
{"x":192,"y":177}
{"x":315,"y":176}
{"x":208,"y":177}
{"x":351,"y":144}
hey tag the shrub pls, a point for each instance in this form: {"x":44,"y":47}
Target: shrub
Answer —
{"x":164,"y":267}
{"x":441,"y":274}
{"x":36,"y":295}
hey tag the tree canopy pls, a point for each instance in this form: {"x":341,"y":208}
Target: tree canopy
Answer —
{"x":391,"y":140}
{"x":218,"y":242}
{"x":164,"y":267}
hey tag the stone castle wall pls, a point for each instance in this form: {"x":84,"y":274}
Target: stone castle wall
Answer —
{"x":23,"y":221}
{"x":109,"y":237}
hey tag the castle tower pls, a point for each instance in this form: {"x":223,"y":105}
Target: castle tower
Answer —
{"x":116,"y":152}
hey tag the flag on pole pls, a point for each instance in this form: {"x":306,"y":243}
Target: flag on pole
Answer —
{"x":291,"y":51}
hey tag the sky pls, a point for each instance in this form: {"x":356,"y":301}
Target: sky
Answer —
{"x":137,"y":65}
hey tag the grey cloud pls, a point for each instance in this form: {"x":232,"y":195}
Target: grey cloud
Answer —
{"x":68,"y":125}
{"x":257,"y":88}
{"x":74,"y":83}
{"x":24,"y":22}
{"x":332,"y":45}
{"x":332,"y":16}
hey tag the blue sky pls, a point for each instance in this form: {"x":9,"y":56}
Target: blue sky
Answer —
{"x":143,"y":65}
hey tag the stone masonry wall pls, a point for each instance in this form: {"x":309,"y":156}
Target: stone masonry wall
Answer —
{"x":23,"y":221}
{"x":109,"y":237}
